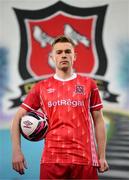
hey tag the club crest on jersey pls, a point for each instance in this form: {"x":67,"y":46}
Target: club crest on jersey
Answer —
{"x":80,"y":89}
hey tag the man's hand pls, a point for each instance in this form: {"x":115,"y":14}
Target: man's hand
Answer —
{"x":18,"y":162}
{"x":103,"y":166}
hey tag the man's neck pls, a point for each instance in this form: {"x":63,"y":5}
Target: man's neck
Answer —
{"x":64,"y":75}
{"x":73,"y":76}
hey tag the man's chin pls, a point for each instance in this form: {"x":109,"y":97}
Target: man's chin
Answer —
{"x":64,"y":68}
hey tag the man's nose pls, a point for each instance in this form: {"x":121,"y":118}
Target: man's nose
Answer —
{"x":63,"y":54}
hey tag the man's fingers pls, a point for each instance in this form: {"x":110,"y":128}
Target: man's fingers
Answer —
{"x":25,"y":164}
{"x":18,"y":162}
{"x":19,"y":167}
{"x":103,"y":168}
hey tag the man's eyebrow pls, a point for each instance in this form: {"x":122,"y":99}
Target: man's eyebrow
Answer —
{"x":63,"y":50}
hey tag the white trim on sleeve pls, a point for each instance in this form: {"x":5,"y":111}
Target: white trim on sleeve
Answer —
{"x":96,"y":105}
{"x":28,"y":107}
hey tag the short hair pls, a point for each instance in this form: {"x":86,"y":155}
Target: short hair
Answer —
{"x":63,"y":39}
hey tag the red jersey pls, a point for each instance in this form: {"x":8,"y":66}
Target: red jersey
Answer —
{"x":68,"y":105}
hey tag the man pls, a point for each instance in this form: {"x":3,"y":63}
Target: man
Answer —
{"x":72,"y":104}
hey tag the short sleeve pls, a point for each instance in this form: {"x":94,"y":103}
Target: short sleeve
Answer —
{"x":95,"y":99}
{"x":32,"y":100}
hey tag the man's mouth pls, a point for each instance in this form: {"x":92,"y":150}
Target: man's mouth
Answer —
{"x":64,"y":62}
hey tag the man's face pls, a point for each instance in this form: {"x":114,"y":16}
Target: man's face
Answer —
{"x":63,"y":55}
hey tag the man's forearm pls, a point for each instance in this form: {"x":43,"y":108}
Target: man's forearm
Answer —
{"x":15,"y":132}
{"x":100,"y":132}
{"x":15,"y":135}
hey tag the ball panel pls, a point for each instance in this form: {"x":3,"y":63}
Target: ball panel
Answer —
{"x":39,"y":133}
{"x":28,"y":124}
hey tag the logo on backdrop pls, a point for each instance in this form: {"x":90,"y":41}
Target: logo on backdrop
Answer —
{"x":38,"y":29}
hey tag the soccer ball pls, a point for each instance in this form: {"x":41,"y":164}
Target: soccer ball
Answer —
{"x":34,"y":126}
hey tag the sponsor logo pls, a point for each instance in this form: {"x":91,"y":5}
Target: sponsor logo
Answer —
{"x":50,"y":90}
{"x":65,"y":102}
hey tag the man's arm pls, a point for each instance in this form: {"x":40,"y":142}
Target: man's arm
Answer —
{"x":100,"y":133}
{"x":18,"y":160}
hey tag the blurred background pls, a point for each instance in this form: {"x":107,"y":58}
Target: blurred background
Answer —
{"x":100,"y":30}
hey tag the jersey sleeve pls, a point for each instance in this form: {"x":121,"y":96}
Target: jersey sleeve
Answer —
{"x":32,"y":100}
{"x":95,"y":99}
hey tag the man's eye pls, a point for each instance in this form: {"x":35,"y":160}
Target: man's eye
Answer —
{"x":58,"y":52}
{"x":67,"y":51}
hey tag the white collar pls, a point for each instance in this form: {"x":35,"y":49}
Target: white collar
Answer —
{"x":73,"y":76}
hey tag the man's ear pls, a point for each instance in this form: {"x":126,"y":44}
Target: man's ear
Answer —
{"x":51,"y":60}
{"x":51,"y":57}
{"x":75,"y":56}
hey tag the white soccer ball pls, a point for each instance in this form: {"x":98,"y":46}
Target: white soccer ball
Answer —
{"x":34,"y":126}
